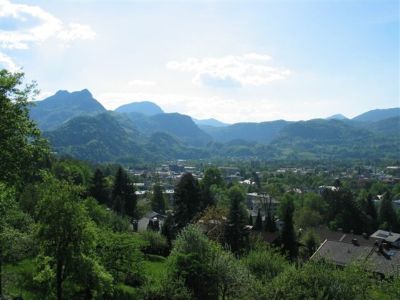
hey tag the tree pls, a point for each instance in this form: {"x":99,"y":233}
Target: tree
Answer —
{"x":64,"y":228}
{"x":98,"y":188}
{"x":288,"y":236}
{"x":124,"y":199}
{"x":258,"y":223}
{"x":310,"y":242}
{"x":387,"y":214}
{"x":187,"y":200}
{"x":212,"y":177}
{"x":250,"y":220}
{"x":22,"y":151}
{"x":371,"y":213}
{"x":235,"y":233}
{"x":208,"y":271}
{"x":157,"y":199}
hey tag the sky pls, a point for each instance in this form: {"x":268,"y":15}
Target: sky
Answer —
{"x":236,"y":61}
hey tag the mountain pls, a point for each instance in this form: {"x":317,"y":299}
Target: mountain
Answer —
{"x":378,"y":114}
{"x":387,"y":127}
{"x":333,"y":139}
{"x":337,"y":117}
{"x":263,"y":132}
{"x":112,"y":137}
{"x":63,"y":106}
{"x":209,"y":122}
{"x":146,"y":107}
{"x":180,"y":126}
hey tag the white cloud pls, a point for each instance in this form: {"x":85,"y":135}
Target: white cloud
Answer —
{"x":250,"y":69}
{"x":7,"y":63}
{"x":141,"y":83}
{"x":48,"y":26}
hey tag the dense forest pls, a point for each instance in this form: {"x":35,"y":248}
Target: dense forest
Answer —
{"x":67,"y":227}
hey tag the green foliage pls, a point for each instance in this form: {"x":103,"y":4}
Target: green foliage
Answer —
{"x":120,"y":254}
{"x":320,"y":281}
{"x":265,"y":263}
{"x":124,"y":199}
{"x":21,"y":149}
{"x":187,"y":200}
{"x":158,"y":201}
{"x":98,"y":188}
{"x":306,"y":217}
{"x":235,"y":233}
{"x":258,"y":223}
{"x":154,"y":243}
{"x":212,"y":177}
{"x":208,"y":271}
{"x":387,"y":214}
{"x":288,"y":236}
{"x":65,"y":231}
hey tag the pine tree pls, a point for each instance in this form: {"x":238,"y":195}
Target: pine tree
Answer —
{"x":250,"y":220}
{"x":187,"y":200}
{"x":371,"y":212}
{"x":258,"y":223}
{"x":235,"y":234}
{"x":387,"y":214}
{"x":123,"y":194}
{"x":98,"y":189}
{"x":288,"y":236}
{"x":269,"y":222}
{"x":157,"y":200}
{"x":212,"y":176}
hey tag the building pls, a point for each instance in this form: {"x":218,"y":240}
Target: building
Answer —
{"x":374,"y":252}
{"x":390,"y":237}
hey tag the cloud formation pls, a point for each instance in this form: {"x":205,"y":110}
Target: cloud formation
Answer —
{"x":31,"y":24}
{"x":7,"y":62}
{"x":251,"y":69}
{"x":47,"y":26}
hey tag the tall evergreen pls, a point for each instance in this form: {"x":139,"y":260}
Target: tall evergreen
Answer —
{"x":258,"y":223}
{"x":157,"y":199}
{"x":269,"y":221}
{"x":212,"y":176}
{"x":187,"y":200}
{"x":371,"y":212}
{"x":288,"y":236}
{"x":235,"y":233}
{"x":98,"y":188}
{"x":250,"y":220}
{"x":387,"y":214}
{"x":123,"y":194}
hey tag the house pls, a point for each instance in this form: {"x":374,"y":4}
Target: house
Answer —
{"x":257,"y":202}
{"x":380,"y":257}
{"x":390,"y":237}
{"x":152,"y":215}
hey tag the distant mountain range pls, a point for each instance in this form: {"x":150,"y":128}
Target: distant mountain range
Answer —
{"x":145,"y":107}
{"x":78,"y":125}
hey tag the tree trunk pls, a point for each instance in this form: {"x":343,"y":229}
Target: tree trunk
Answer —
{"x":59,"y":279}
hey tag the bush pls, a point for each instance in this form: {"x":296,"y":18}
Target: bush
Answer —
{"x":154,"y":243}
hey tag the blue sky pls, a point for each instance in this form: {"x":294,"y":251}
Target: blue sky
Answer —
{"x":230,"y":60}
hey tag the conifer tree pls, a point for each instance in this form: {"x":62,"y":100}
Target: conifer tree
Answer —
{"x":187,"y":200}
{"x":98,"y":189}
{"x":123,"y":194}
{"x":158,"y":200}
{"x":258,"y":223}
{"x":387,"y":214}
{"x":288,"y":236}
{"x":235,"y":234}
